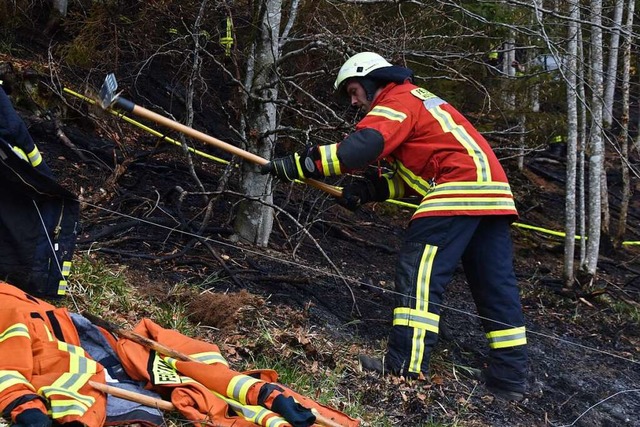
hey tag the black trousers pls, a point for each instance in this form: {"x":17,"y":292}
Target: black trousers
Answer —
{"x":432,"y":248}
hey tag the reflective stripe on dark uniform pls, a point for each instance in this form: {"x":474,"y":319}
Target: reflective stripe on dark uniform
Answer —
{"x":432,"y":249}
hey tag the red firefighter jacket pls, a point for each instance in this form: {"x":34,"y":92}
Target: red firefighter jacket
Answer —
{"x":435,"y":152}
{"x":47,"y":369}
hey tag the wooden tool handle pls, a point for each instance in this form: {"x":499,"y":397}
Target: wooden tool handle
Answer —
{"x":324,"y":421}
{"x":143,"y":399}
{"x":254,"y":158}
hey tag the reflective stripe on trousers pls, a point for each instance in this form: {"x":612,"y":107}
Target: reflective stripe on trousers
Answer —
{"x":430,"y":254}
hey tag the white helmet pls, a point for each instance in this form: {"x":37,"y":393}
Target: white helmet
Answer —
{"x":359,"y":65}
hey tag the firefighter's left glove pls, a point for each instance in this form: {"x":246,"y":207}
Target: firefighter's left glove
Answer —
{"x":370,"y":189}
{"x":32,"y":418}
{"x":292,"y":167}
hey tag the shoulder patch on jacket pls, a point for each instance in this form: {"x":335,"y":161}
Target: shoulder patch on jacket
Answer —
{"x":422,"y":93}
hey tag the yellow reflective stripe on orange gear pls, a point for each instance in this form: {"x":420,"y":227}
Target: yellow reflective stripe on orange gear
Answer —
{"x":68,"y":385}
{"x":466,"y":204}
{"x":419,"y":184}
{"x":78,"y":361}
{"x":173,"y":364}
{"x":15,"y":330}
{"x":387,"y":113}
{"x":61,"y":408}
{"x":35,"y":157}
{"x":507,"y":338}
{"x":11,"y":378}
{"x":254,"y":413}
{"x":239,"y":386}
{"x":209,"y":357}
{"x":329,"y":159}
{"x":275,"y":421}
{"x":448,"y":125}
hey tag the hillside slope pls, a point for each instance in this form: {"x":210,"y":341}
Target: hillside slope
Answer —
{"x":326,"y":294}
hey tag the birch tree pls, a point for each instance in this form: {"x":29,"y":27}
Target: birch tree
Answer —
{"x":596,"y":146}
{"x":582,"y":138}
{"x":570,"y":70}
{"x":612,"y":64}
{"x":610,"y":80}
{"x":624,"y":132}
{"x":254,"y":219}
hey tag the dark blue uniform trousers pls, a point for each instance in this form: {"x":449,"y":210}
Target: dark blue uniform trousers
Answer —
{"x":432,"y":248}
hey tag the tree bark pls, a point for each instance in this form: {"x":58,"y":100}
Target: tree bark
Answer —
{"x":596,"y":146}
{"x":624,"y":133}
{"x":572,"y":143}
{"x":254,"y":220}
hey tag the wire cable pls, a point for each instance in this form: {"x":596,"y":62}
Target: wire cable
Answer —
{"x":333,"y":275}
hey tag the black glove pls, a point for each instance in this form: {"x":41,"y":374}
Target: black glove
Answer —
{"x":32,"y":418}
{"x":370,"y":189}
{"x":292,"y":167}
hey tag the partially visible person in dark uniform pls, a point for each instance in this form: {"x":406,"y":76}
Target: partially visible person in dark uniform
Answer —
{"x":14,"y":133}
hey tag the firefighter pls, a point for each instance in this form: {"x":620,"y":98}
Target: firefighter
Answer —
{"x":557,"y":146}
{"x":14,"y":132}
{"x":464,"y":215}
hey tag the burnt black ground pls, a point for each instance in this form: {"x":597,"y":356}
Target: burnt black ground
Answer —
{"x":582,"y":352}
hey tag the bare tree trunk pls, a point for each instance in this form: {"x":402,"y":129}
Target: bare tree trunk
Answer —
{"x":610,"y":78}
{"x":612,"y":65}
{"x":196,"y":66}
{"x":254,"y":220}
{"x":596,"y":146}
{"x":509,"y":96}
{"x":571,"y":71}
{"x":624,"y":132}
{"x":609,"y":91}
{"x":582,"y":138}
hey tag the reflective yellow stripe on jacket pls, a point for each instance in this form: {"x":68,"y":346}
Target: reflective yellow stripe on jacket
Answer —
{"x":11,"y":378}
{"x":329,"y":159}
{"x":239,"y":386}
{"x":479,"y":157}
{"x":468,"y":196}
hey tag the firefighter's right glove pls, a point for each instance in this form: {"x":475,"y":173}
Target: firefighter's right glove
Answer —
{"x":370,"y":189}
{"x":32,"y":418}
{"x":292,"y":167}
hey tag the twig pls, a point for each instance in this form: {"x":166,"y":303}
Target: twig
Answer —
{"x":315,"y":242}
